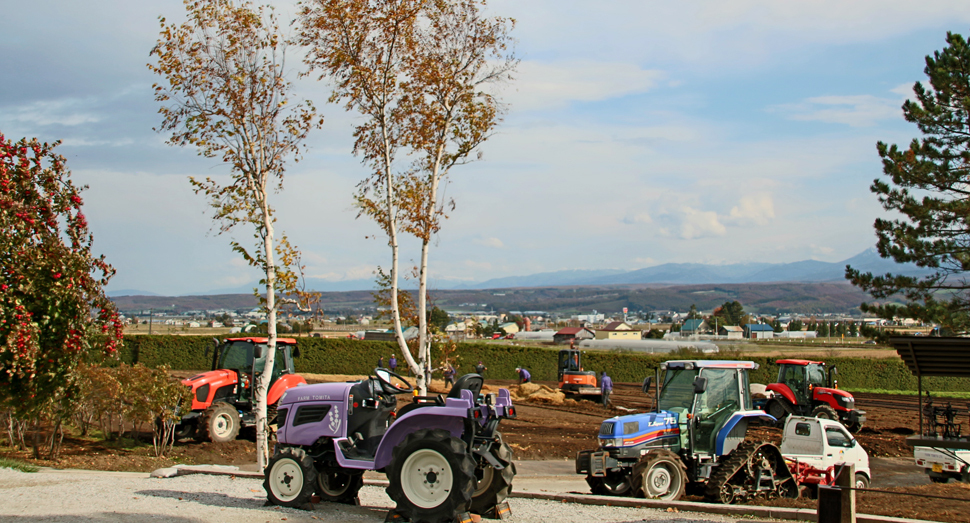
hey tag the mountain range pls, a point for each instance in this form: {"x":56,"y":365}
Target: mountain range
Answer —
{"x":806,"y":271}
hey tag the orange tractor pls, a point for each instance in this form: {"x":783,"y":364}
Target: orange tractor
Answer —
{"x":573,"y":380}
{"x":223,"y":399}
{"x":807,"y":388}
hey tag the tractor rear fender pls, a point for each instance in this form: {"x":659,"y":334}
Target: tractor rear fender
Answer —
{"x":285,"y":383}
{"x":784,"y":391}
{"x":732,"y":433}
{"x":448,"y":418}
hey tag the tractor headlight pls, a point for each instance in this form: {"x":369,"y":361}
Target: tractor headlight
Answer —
{"x":612,"y":442}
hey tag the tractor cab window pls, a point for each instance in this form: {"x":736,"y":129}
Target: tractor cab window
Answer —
{"x":794,"y":377}
{"x":278,"y":364}
{"x":678,"y":389}
{"x":237,"y":356}
{"x":714,"y":407}
{"x":816,"y":375}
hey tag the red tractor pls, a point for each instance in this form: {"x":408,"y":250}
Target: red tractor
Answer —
{"x":805,"y":388}
{"x":223,"y":399}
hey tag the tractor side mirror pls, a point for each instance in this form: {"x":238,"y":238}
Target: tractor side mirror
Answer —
{"x":258,"y":352}
{"x":646,"y":384}
{"x":296,"y":352}
{"x":835,"y":371}
{"x":215,"y":345}
{"x":700,"y":385}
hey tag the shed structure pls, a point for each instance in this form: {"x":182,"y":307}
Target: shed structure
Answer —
{"x":933,"y":356}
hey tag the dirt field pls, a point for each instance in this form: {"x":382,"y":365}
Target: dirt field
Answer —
{"x":549,"y":428}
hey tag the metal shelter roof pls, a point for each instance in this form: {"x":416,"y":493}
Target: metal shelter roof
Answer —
{"x":934,"y":356}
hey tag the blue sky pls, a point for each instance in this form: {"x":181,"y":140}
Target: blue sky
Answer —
{"x":638,"y":133}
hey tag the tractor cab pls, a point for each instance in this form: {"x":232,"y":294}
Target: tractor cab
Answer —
{"x":705,"y":395}
{"x":247,"y":357}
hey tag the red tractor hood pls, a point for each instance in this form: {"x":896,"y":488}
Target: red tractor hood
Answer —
{"x":214,"y":379}
{"x":834,"y":392}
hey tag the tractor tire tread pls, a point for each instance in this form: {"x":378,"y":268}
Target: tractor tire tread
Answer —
{"x":203,"y":431}
{"x":646,"y":462}
{"x":736,"y":460}
{"x":463,"y":470}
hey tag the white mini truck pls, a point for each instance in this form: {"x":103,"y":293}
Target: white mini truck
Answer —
{"x":943,"y":464}
{"x":813,"y":447}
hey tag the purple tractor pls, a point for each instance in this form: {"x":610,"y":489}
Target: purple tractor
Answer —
{"x":443,"y":456}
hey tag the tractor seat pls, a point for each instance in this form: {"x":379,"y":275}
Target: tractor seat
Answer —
{"x":421,"y":401}
{"x":471,"y":381}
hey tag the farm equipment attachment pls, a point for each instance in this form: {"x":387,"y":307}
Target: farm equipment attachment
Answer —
{"x":443,"y":456}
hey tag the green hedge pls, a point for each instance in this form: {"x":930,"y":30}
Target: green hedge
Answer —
{"x":346,"y":356}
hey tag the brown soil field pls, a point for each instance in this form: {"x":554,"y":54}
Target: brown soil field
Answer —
{"x":551,"y":428}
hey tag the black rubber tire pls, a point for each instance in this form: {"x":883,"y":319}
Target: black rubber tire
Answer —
{"x":660,"y":474}
{"x":184,"y":431}
{"x":611,"y":485}
{"x":219,"y":424}
{"x":493,"y":486}
{"x":778,"y":409}
{"x":825,"y":412}
{"x":424,"y":456}
{"x":861,"y":481}
{"x":289,"y":478}
{"x":854,"y":428}
{"x":338,"y":485}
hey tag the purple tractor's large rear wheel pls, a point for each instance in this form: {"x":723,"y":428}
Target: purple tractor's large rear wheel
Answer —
{"x":493,"y":485}
{"x":431,"y":476}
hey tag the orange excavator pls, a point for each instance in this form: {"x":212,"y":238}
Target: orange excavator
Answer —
{"x":573,"y":380}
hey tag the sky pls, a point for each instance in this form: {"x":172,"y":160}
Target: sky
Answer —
{"x":637,"y":133}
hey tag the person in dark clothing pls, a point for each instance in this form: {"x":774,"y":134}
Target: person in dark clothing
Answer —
{"x":524,"y":376}
{"x":380,"y":363}
{"x":393,"y":363}
{"x":480,"y":369}
{"x":606,"y":385}
{"x":449,"y":373}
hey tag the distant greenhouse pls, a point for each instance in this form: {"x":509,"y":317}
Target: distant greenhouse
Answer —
{"x":543,"y":335}
{"x":653,"y":346}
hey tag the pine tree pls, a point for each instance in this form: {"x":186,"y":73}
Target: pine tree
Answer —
{"x":927,"y":184}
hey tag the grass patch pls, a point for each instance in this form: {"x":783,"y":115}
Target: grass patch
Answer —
{"x":17,"y":465}
{"x":958,"y":395}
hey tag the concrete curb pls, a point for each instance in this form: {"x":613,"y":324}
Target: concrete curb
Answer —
{"x":791,"y":514}
{"x":795,"y":514}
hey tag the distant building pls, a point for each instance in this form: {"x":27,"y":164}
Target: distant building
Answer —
{"x":732,"y":332}
{"x":509,"y":327}
{"x":696,"y":326}
{"x":617,"y":330}
{"x":758,"y":331}
{"x":564,"y":336}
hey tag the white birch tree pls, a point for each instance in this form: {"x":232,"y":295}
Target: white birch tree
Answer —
{"x":225,"y":93}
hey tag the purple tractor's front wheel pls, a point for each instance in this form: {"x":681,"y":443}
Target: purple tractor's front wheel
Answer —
{"x":431,"y":476}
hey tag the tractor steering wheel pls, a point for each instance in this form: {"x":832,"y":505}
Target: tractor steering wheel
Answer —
{"x":385,"y":376}
{"x":726,"y":405}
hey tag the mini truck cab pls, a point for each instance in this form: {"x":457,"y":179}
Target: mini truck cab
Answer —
{"x":815,"y":446}
{"x":443,"y":455}
{"x":704,"y":408}
{"x":223,"y":399}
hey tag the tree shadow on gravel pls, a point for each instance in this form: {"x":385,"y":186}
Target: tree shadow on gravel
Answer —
{"x":108,"y":517}
{"x":213,"y":499}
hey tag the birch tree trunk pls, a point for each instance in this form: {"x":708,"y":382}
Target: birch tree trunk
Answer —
{"x":262,"y":381}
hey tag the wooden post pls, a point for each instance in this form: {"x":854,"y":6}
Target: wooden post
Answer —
{"x":837,"y":504}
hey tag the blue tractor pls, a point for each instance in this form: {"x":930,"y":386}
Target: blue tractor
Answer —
{"x":696,"y":438}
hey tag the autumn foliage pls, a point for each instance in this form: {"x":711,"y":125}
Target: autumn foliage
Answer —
{"x":53,"y":310}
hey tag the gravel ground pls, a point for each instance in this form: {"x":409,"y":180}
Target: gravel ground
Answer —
{"x":95,"y":497}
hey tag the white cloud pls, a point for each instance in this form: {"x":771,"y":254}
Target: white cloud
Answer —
{"x":68,"y":112}
{"x":756,"y":209}
{"x":551,"y":85}
{"x":694,"y":224}
{"x":638,"y":218}
{"x":489,"y":242}
{"x":855,"y":110}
